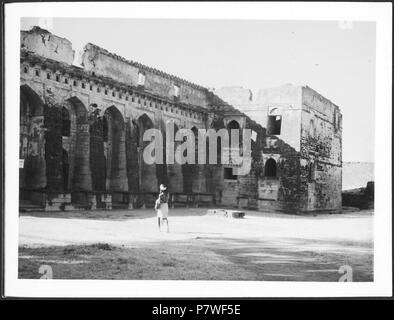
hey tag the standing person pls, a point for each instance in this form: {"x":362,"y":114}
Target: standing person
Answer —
{"x":161,"y":206}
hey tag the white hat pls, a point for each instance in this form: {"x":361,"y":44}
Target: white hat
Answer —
{"x":163,"y":187}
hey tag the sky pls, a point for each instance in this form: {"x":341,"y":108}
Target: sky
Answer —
{"x":334,"y":58}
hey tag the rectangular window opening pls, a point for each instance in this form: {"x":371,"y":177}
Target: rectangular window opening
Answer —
{"x":274,"y":125}
{"x":141,"y":79}
{"x":228,"y":174}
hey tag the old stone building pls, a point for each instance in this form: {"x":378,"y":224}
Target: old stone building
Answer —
{"x":302,"y":146}
{"x":81,"y":134}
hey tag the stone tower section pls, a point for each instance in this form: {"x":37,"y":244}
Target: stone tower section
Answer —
{"x":301,"y":165}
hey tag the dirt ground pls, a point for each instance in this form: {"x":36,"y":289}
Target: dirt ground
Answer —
{"x":262,"y":246}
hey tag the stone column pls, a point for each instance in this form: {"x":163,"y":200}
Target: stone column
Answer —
{"x":81,"y":173}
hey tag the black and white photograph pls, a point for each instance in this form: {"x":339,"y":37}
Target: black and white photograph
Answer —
{"x":240,"y":152}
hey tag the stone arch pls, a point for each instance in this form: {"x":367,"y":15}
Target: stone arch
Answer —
{"x":217,"y":124}
{"x":115,"y":150}
{"x":147,"y":172}
{"x":195,"y":132}
{"x":270,"y":169}
{"x":32,"y":100}
{"x":66,"y":122}
{"x":32,"y":140}
{"x":274,"y":112}
{"x":233,"y":124}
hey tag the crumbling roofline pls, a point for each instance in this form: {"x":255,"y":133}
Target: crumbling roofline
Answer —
{"x":146,"y":68}
{"x":78,"y":72}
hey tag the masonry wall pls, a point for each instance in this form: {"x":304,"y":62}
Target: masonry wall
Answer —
{"x":99,"y":160}
{"x":321,"y":153}
{"x":309,"y":122}
{"x":282,"y":191}
{"x":47,"y":45}
{"x":102,"y":62}
{"x":86,"y":161}
{"x":287,"y":99}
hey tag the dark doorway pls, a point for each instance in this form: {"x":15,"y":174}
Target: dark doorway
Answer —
{"x":270,"y":168}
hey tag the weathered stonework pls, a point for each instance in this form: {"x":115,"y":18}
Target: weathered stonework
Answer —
{"x":306,"y":153}
{"x":47,"y":45}
{"x":82,"y":128}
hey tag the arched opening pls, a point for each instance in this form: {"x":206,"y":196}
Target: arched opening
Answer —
{"x":66,"y":122}
{"x":233,"y":125}
{"x":115,"y":150}
{"x":97,"y":158}
{"x":217,"y":125}
{"x":147,"y":172}
{"x":195,"y":133}
{"x":270,"y":168}
{"x":78,"y":146}
{"x":32,"y":140}
{"x":237,"y":149}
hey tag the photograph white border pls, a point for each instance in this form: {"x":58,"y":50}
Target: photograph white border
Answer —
{"x":378,"y":12}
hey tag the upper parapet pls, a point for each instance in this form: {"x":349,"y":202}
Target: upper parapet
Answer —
{"x":98,"y":50}
{"x":101,"y":62}
{"x":48,"y":45}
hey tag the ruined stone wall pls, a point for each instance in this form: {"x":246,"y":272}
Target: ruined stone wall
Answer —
{"x":101,"y":62}
{"x":282,"y":191}
{"x":95,"y":161}
{"x":50,"y":86}
{"x":321,"y":153}
{"x":47,"y":45}
{"x":108,"y":112}
{"x":287,"y":99}
{"x":248,"y":189}
{"x":32,"y":140}
{"x":284,"y":101}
